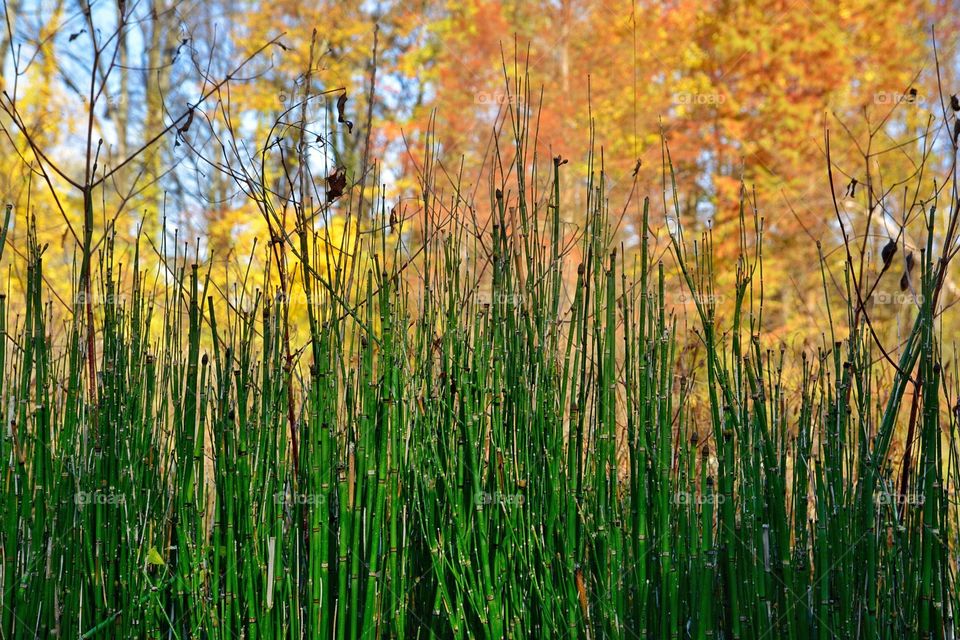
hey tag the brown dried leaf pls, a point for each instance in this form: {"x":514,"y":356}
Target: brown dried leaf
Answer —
{"x":336,"y":184}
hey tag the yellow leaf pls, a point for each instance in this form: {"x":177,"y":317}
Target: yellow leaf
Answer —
{"x":154,"y":557}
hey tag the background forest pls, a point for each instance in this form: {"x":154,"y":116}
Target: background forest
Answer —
{"x":479,"y":319}
{"x":743,"y":92}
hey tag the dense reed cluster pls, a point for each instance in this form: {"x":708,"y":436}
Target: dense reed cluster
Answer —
{"x":478,"y":440}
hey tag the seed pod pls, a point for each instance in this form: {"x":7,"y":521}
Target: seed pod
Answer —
{"x":889,"y":250}
{"x":341,"y":115}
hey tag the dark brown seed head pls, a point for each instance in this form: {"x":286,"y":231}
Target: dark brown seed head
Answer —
{"x":887,"y":253}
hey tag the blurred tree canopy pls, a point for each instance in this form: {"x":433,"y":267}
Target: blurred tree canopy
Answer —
{"x":742,"y":91}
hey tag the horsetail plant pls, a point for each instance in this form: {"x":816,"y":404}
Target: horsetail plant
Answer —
{"x":510,"y":443}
